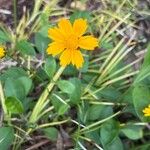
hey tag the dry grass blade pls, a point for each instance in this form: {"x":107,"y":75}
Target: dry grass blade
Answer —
{"x":34,"y":147}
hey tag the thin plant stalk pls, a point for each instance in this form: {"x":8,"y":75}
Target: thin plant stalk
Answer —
{"x":99,"y":122}
{"x":15,"y":21}
{"x":52,"y":124}
{"x":2,"y":98}
{"x":39,"y":105}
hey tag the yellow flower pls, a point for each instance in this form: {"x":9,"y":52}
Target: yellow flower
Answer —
{"x":2,"y":51}
{"x":146,"y":111}
{"x":67,"y":39}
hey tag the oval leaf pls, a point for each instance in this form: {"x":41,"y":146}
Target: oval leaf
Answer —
{"x":51,"y":133}
{"x":13,"y":105}
{"x":26,"y":82}
{"x":133,"y":132}
{"x":6,"y":137}
{"x":14,"y":88}
{"x":25,"y":48}
{"x":141,"y":99}
{"x":66,"y":86}
{"x":50,"y":66}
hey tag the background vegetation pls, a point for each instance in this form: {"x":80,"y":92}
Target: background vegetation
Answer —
{"x":97,"y":107}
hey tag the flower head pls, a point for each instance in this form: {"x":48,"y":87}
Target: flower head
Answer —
{"x":146,"y":111}
{"x":67,"y":41}
{"x":2,"y":51}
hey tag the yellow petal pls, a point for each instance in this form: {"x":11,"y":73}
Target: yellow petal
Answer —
{"x":77,"y":58}
{"x":55,"y":48}
{"x":88,"y":42}
{"x":65,"y":58}
{"x":65,"y":26}
{"x":79,"y":27}
{"x":146,"y":111}
{"x":71,"y":56}
{"x":2,"y":52}
{"x":55,"y":34}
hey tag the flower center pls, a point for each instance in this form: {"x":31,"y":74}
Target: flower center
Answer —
{"x":72,"y":42}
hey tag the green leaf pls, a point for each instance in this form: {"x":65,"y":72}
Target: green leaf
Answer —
{"x":146,"y":58}
{"x":143,"y":74}
{"x":76,"y":94}
{"x":50,"y":66}
{"x":85,"y":65}
{"x":110,"y":93}
{"x":41,"y":75}
{"x":18,"y":88}
{"x":4,"y":37}
{"x":14,"y":88}
{"x":99,"y":112}
{"x":145,"y":69}
{"x":13,"y":72}
{"x":109,"y":131}
{"x":26,"y":82}
{"x":44,"y":30}
{"x":63,"y":109}
{"x":6,"y":137}
{"x":41,"y":42}
{"x":80,"y":14}
{"x":82,"y":112}
{"x":59,"y":104}
{"x":94,"y":136}
{"x":51,"y":133}
{"x":44,"y":18}
{"x":28,"y":103}
{"x":141,"y":99}
{"x":116,"y":144}
{"x":127,"y":96}
{"x":109,"y":136}
{"x":14,"y":105}
{"x":133,"y":132}
{"x":25,"y":48}
{"x":70,"y":71}
{"x":106,"y":45}
{"x":66,"y":86}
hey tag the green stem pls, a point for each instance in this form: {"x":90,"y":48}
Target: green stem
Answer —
{"x":28,"y":64}
{"x":15,"y":24}
{"x":42,"y":100}
{"x":3,"y":101}
{"x":99,"y":122}
{"x":37,"y":5}
{"x":52,"y":124}
{"x":30,"y":130}
{"x":21,"y":141}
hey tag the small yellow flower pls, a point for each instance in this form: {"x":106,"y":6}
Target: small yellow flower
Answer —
{"x":146,"y":111}
{"x":67,"y":39}
{"x":2,"y":51}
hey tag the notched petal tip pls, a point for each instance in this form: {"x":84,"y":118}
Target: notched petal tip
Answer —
{"x":55,"y":34}
{"x":65,"y":26}
{"x":65,"y":58}
{"x":77,"y":59}
{"x":80,"y":26}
